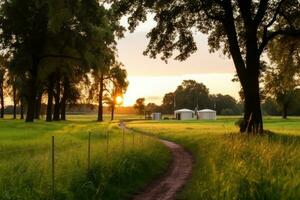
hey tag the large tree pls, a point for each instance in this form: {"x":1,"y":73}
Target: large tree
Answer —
{"x":224,"y":104}
{"x":241,"y":28}
{"x":168,"y":104}
{"x":115,"y":87}
{"x":39,"y":30}
{"x":140,"y":105}
{"x":102,"y":77}
{"x":191,"y":94}
{"x":283,"y":77}
{"x":3,"y":66}
{"x":24,"y":29}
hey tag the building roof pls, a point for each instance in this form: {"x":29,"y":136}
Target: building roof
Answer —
{"x":207,"y":110}
{"x":184,"y":110}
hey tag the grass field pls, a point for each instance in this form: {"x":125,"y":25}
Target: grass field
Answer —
{"x":115,"y":172}
{"x":231,"y":166}
{"x":227,"y":165}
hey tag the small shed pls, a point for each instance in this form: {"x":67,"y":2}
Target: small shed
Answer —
{"x":184,"y":114}
{"x":207,"y":114}
{"x":156,"y":116}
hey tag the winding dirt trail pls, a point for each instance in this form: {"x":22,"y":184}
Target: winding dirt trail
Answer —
{"x":166,"y":187}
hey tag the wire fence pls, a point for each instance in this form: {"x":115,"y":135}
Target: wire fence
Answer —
{"x":61,"y":149}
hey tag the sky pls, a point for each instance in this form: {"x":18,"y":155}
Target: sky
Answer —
{"x":152,"y":78}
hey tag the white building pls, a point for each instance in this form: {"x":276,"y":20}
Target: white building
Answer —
{"x":207,"y":114}
{"x":184,"y":114}
{"x":156,"y":116}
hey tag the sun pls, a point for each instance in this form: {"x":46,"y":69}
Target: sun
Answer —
{"x":119,"y":100}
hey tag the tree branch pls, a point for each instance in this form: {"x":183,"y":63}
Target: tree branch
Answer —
{"x":288,"y":21}
{"x":233,"y":40}
{"x":261,"y":11}
{"x":245,"y":7}
{"x":216,"y":17}
{"x":59,"y":56}
{"x":268,"y":37}
{"x":277,"y":11}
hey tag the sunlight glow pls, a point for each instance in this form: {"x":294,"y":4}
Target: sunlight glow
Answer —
{"x":153,"y":88}
{"x":119,"y":100}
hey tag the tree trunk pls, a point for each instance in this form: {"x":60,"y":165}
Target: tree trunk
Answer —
{"x":112,"y":111}
{"x":100,"y":103}
{"x":15,"y":102}
{"x":38,"y":105}
{"x":32,"y":91}
{"x":21,"y":108}
{"x":50,"y":98}
{"x":252,"y":109}
{"x":247,"y":69}
{"x":57,"y":99}
{"x":1,"y":98}
{"x":65,"y":96}
{"x":63,"y":109}
{"x":284,"y":111}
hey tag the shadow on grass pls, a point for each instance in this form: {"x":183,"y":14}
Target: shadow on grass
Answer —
{"x":285,"y":139}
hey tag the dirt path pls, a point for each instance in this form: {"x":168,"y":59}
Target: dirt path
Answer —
{"x":166,"y":187}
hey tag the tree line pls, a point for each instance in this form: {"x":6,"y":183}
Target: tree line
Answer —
{"x":61,"y":53}
{"x":195,"y":96}
{"x":192,"y":95}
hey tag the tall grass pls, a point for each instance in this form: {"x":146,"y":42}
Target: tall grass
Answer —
{"x":231,"y":166}
{"x":25,"y":161}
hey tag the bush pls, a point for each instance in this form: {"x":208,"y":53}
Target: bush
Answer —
{"x":227,"y":111}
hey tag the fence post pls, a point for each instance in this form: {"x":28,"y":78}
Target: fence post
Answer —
{"x":123,"y":139}
{"x":89,"y":152}
{"x":53,"y":168}
{"x":107,"y":143}
{"x":133,"y":139}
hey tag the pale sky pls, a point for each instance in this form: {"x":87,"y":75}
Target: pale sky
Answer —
{"x":152,"y":78}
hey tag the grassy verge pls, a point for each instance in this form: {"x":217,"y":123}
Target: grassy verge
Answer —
{"x":232,"y":166}
{"x":115,"y":172}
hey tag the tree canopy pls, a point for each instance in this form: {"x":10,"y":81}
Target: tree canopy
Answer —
{"x":140,"y":105}
{"x":193,"y":95}
{"x":53,"y":46}
{"x":283,"y":76}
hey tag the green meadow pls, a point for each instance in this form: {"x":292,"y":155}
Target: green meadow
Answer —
{"x":116,"y":171}
{"x":228,"y":165}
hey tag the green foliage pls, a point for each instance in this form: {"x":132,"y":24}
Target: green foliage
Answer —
{"x":140,"y":105}
{"x":270,"y":107}
{"x":176,"y":21}
{"x":225,"y":104}
{"x":65,"y":39}
{"x":282,"y":78}
{"x":168,"y":103}
{"x":191,"y":94}
{"x":152,"y":107}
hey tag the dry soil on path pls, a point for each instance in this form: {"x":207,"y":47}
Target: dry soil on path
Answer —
{"x":166,"y":187}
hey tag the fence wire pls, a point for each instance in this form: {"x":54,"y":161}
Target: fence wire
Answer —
{"x":52,"y":165}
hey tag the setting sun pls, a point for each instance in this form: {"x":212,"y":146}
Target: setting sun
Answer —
{"x":119,"y":100}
